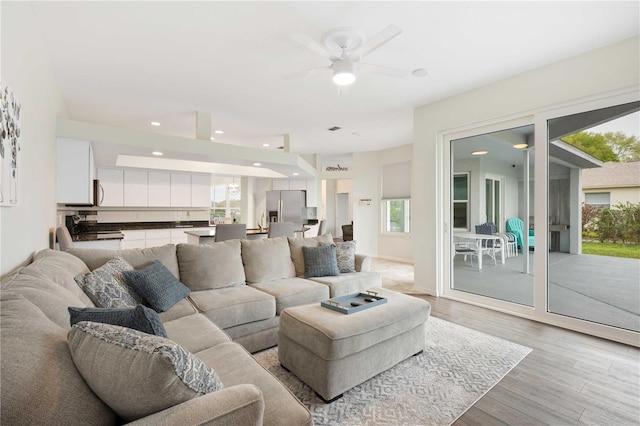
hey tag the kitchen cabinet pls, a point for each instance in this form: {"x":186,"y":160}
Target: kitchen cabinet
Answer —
{"x":178,"y":236}
{"x":112,"y":182}
{"x":180,"y":190}
{"x":280,"y":184}
{"x":135,"y":188}
{"x":75,"y":171}
{"x":133,"y":239}
{"x":157,"y":237}
{"x":159,"y":189}
{"x":300,"y":185}
{"x":101,"y":244}
{"x":200,"y":191}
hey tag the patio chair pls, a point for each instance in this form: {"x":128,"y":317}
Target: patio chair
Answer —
{"x":510,"y":243}
{"x":230,"y":231}
{"x":465,"y":248}
{"x":490,"y":247}
{"x":515,"y":225}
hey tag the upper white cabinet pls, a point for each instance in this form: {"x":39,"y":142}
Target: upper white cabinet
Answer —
{"x":75,"y":170}
{"x":300,"y":185}
{"x":180,"y":190}
{"x":280,"y":184}
{"x":112,"y":187}
{"x":136,"y":188}
{"x":159,"y":189}
{"x":200,"y":191}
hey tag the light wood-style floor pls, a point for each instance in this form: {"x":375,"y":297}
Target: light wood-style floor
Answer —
{"x":569,"y":378}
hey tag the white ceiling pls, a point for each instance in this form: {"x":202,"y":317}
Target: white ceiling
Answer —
{"x":125,"y":64}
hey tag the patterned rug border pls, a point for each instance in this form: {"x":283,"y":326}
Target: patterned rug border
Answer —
{"x":458,"y":367}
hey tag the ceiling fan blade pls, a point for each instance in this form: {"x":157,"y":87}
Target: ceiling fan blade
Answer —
{"x":306,"y":41}
{"x":305,"y":73}
{"x":391,"y":72}
{"x":376,"y":41}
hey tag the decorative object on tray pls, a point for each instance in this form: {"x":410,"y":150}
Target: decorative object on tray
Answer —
{"x":356,"y":302}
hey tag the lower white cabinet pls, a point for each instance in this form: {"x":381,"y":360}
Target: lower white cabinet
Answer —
{"x":178,"y":236}
{"x":99,"y":244}
{"x":144,"y":238}
{"x":133,"y":239}
{"x":158,"y":237}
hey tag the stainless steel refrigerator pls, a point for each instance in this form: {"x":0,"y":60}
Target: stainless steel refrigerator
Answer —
{"x":287,"y":206}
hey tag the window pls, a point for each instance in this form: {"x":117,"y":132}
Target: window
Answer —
{"x":225,"y":203}
{"x":461,"y":201}
{"x":396,"y":197}
{"x":396,"y":215}
{"x":598,"y":200}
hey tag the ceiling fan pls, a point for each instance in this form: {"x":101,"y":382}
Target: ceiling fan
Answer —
{"x":345,"y":47}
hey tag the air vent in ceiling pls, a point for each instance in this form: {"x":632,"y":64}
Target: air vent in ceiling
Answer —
{"x":334,"y":128}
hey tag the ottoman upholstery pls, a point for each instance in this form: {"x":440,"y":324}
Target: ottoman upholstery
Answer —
{"x":333,"y":352}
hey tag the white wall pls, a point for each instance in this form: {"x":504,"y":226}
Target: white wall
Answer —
{"x":366,"y":219}
{"x":615,"y":67}
{"x":26,"y":70}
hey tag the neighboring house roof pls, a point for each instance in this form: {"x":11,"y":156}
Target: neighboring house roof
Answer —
{"x":612,"y":175}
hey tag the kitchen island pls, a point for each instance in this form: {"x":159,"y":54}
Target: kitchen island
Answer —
{"x":207,"y":236}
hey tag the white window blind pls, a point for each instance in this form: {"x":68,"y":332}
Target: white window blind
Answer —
{"x":396,"y":181}
{"x":598,"y":198}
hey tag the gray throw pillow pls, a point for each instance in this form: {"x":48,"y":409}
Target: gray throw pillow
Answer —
{"x":137,"y":374}
{"x":346,"y":256}
{"x":107,"y":287}
{"x":157,"y":286}
{"x":139,"y":318}
{"x":320,"y":261}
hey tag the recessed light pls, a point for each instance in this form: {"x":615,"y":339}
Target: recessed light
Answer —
{"x":212,"y":138}
{"x":265,"y":144}
{"x":479,"y":152}
{"x":296,"y":174}
{"x":257,"y":164}
{"x":155,"y":123}
{"x":158,"y":153}
{"x":521,"y":145}
{"x":218,"y":132}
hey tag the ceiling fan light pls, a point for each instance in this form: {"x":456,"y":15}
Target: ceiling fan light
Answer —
{"x":344,"y":72}
{"x":344,"y":78}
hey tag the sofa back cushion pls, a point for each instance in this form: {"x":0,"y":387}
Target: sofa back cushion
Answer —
{"x":295,"y":248}
{"x":49,"y":297}
{"x":267,"y":259}
{"x":60,"y":268}
{"x":40,"y":383}
{"x":138,"y":258}
{"x":211,"y":266}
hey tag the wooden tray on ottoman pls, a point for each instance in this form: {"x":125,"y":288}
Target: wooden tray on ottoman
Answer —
{"x":356,"y":302}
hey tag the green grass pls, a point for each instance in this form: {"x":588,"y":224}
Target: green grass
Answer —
{"x":611,"y":249}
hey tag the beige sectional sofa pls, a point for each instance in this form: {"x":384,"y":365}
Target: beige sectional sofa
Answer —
{"x":238,"y":288}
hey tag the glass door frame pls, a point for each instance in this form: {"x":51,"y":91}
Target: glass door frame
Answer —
{"x":539,"y":312}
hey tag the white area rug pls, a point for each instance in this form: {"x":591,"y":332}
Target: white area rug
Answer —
{"x":457,"y":367}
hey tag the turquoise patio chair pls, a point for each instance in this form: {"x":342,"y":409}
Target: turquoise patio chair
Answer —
{"x":515,"y":225}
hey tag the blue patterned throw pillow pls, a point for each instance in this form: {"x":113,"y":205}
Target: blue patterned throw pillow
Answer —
{"x":107,"y":287}
{"x":320,"y":261}
{"x":139,"y":318}
{"x":157,"y":286}
{"x":346,"y":256}
{"x":135,"y":373}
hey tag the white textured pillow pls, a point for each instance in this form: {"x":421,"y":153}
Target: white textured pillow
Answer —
{"x":346,"y":256}
{"x":107,"y":287}
{"x":137,"y":374}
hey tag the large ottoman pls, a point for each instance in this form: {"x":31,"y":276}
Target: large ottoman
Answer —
{"x":333,"y":352}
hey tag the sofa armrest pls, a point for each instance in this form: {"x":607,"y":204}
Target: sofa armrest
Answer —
{"x":235,"y":405}
{"x":363,"y":263}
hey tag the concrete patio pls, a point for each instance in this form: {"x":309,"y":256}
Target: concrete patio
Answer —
{"x":601,"y":289}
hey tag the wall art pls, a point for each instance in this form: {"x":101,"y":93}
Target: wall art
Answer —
{"x":9,"y":148}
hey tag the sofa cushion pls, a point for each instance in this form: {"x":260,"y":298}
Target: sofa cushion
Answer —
{"x":61,"y":268}
{"x":236,"y":366}
{"x":320,"y":261}
{"x":157,"y":285}
{"x":217,"y":265}
{"x":138,"y":258}
{"x":107,"y":287}
{"x":267,"y":259}
{"x":135,"y":373}
{"x":139,"y":318}
{"x":295,"y":248}
{"x":181,"y":309}
{"x":195,"y":333}
{"x":39,"y":381}
{"x":355,"y":282}
{"x":346,"y":255}
{"x":231,"y":306}
{"x":49,"y":297}
{"x":293,"y":292}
